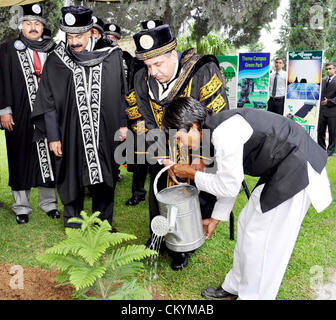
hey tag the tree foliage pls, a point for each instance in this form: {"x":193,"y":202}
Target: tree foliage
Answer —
{"x":9,"y":19}
{"x":308,"y":19}
{"x":239,"y":21}
{"x":330,"y":53}
{"x":282,"y":40}
{"x":213,"y":43}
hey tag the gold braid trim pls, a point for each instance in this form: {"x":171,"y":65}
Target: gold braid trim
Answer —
{"x":182,"y":78}
{"x":210,"y":88}
{"x":217,"y":104}
{"x":201,"y":157}
{"x":139,"y":127}
{"x":158,"y":51}
{"x":187,"y":90}
{"x":224,"y":81}
{"x":157,"y":112}
{"x":161,"y":157}
{"x":131,"y":99}
{"x":133,"y":113}
{"x":188,"y":54}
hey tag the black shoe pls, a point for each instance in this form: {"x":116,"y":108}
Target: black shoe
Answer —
{"x":114,"y":230}
{"x":53,"y":214}
{"x":22,"y":218}
{"x":71,"y":225}
{"x":179,"y":261}
{"x":134,"y":201}
{"x":218,"y":293}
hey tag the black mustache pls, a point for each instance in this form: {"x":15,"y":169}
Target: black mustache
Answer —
{"x":76,"y":46}
{"x":33,"y":31}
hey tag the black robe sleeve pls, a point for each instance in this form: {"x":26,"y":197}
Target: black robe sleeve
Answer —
{"x":5,"y":77}
{"x":123,"y":105}
{"x":44,"y":104}
{"x":141,"y":89}
{"x":51,"y":124}
{"x":2,"y":92}
{"x":209,"y":88}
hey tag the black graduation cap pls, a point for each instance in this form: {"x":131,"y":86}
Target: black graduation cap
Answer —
{"x":98,"y":24}
{"x":150,"y":24}
{"x":113,"y":29}
{"x":46,"y":33}
{"x":33,"y":11}
{"x":76,"y":19}
{"x":154,"y":42}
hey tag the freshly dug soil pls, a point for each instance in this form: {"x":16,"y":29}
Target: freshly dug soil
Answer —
{"x":37,"y":284}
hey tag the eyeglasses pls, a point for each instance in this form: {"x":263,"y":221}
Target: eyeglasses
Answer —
{"x":329,"y":68}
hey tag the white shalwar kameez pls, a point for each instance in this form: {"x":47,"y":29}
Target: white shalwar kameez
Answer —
{"x":265,"y":241}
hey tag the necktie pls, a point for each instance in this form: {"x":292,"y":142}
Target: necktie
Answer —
{"x":328,"y":82}
{"x":275,"y":84}
{"x":37,"y":63}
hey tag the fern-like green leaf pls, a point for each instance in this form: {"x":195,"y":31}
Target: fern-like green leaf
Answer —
{"x":75,"y":241}
{"x":119,"y":237}
{"x":125,"y":271}
{"x":85,"y":276}
{"x":130,"y":291}
{"x":61,"y":262}
{"x":99,"y":240}
{"x":125,"y":255}
{"x":62,"y":277}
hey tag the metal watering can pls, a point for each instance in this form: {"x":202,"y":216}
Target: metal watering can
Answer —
{"x":180,"y":217}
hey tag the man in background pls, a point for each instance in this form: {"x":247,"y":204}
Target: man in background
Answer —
{"x":277,"y":88}
{"x":29,"y":164}
{"x":327,"y":116}
{"x":97,"y":30}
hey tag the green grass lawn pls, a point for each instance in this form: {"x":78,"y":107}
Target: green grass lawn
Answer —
{"x":316,"y":245}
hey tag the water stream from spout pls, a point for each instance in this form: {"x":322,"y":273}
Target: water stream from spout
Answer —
{"x":152,"y":261}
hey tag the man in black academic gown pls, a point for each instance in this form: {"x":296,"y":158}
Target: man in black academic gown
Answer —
{"x":29,"y":163}
{"x":79,"y":107}
{"x":169,"y":74}
{"x":132,"y":65}
{"x":97,"y":30}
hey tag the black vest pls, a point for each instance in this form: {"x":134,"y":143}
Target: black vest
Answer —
{"x":277,"y":152}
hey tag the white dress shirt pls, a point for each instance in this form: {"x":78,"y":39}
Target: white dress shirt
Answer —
{"x":281,"y":84}
{"x":330,"y":78}
{"x":226,"y":183}
{"x":43,"y":57}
